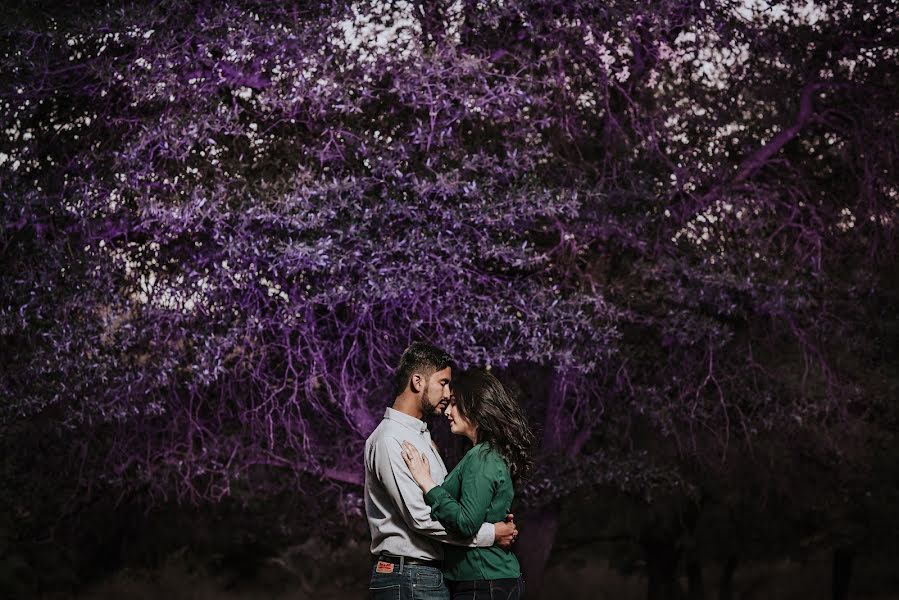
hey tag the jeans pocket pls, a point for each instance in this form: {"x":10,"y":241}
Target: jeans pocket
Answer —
{"x":429,"y":581}
{"x":384,"y":592}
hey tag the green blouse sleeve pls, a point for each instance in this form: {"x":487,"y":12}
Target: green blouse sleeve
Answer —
{"x":480,"y":476}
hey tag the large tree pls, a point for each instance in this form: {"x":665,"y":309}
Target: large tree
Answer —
{"x":222,"y":223}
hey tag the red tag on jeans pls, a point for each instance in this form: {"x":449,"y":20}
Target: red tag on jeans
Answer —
{"x":384,"y":567}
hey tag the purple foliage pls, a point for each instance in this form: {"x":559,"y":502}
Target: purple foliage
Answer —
{"x":221,"y":225}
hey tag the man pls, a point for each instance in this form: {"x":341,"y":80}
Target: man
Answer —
{"x":406,"y":541}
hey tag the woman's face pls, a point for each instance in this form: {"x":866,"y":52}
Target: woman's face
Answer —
{"x":458,"y":424}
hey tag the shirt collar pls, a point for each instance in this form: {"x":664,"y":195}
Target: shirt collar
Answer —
{"x":407,"y":420}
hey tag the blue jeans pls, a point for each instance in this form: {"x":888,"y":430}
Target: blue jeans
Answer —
{"x":411,"y":582}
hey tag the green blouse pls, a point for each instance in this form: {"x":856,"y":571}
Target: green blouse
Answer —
{"x":479,"y":490}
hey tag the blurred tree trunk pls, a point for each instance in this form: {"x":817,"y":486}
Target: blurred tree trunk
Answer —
{"x":843,"y":559}
{"x":538,"y":534}
{"x":695,"y":584}
{"x":539,"y":526}
{"x":726,"y":585}
{"x":662,"y":557}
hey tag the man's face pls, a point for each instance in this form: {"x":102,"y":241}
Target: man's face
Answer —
{"x":436,"y":393}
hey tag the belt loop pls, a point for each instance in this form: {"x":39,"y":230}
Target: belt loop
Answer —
{"x":402,"y":561}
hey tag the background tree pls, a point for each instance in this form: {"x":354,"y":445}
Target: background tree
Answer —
{"x":674,"y":224}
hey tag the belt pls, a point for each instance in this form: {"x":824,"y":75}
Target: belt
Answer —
{"x":408,"y":560}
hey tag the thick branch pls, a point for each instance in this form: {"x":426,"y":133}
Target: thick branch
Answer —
{"x":352,"y":477}
{"x":758,"y":158}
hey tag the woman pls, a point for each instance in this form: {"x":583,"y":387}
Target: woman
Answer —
{"x":480,"y":488}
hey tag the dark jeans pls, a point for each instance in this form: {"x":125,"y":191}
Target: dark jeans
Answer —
{"x":488,"y":589}
{"x":411,"y":582}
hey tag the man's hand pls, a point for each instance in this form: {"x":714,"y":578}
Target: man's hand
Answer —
{"x":505,"y":533}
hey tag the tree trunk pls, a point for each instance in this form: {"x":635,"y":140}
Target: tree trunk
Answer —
{"x":842,"y":572}
{"x":662,"y":558}
{"x":695,"y":584}
{"x":726,"y":585}
{"x":538,"y":533}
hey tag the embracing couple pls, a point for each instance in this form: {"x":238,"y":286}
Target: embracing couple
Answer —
{"x":436,"y":536}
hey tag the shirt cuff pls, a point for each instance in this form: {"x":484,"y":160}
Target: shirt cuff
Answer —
{"x":486,"y":536}
{"x":434,"y":495}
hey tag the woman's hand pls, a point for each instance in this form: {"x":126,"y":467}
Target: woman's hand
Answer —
{"x":419,"y":466}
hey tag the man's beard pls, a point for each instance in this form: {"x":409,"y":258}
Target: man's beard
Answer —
{"x":428,"y":411}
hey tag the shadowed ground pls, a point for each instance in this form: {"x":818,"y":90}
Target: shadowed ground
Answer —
{"x":572,"y":576}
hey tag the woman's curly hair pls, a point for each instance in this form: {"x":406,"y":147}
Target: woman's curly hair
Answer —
{"x":484,"y":400}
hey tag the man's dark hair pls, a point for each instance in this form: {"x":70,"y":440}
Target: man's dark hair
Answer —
{"x":422,"y":358}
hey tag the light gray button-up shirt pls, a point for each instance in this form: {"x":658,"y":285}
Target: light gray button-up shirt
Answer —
{"x":398,"y":517}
